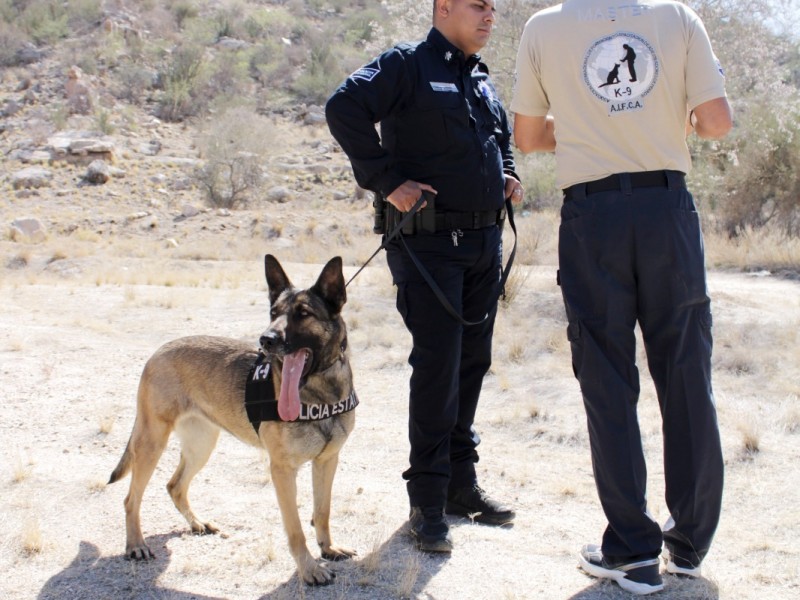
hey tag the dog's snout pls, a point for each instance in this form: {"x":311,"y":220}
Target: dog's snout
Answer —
{"x":270,"y":341}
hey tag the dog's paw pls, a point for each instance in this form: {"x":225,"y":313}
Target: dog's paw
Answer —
{"x":319,"y":575}
{"x":140,"y":552}
{"x":199,"y":528}
{"x":337,"y":553}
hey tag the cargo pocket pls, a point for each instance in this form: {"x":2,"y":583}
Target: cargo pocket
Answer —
{"x":706,"y":323}
{"x":402,"y":304}
{"x":574,"y":337}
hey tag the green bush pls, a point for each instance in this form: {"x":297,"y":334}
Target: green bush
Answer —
{"x":12,"y":40}
{"x":46,"y":21}
{"x":319,"y":75}
{"x":181,"y":81}
{"x":750,"y":178}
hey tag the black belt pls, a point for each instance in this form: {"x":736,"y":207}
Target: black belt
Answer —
{"x":639,"y":179}
{"x":469,"y":220}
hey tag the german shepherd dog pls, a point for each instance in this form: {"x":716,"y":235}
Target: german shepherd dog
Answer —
{"x":196,"y":387}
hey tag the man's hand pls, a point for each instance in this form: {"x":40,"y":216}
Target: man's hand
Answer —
{"x":514,"y":190}
{"x":405,"y":196}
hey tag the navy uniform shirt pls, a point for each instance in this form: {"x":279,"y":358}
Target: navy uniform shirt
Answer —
{"x":441,"y":123}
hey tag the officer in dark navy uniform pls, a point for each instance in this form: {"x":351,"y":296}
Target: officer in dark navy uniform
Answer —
{"x":444,"y":131}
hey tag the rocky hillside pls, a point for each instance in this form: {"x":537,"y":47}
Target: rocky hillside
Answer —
{"x":86,"y":169}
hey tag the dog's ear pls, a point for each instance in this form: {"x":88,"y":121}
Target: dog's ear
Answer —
{"x":330,"y":284}
{"x":277,"y":281}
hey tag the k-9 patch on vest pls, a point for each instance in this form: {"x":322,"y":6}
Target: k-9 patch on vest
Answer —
{"x":261,"y":404}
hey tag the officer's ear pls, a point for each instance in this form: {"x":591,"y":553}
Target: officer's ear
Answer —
{"x":441,"y":8}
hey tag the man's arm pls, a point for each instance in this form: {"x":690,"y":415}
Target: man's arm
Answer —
{"x":534,"y":134}
{"x":365,"y":98}
{"x":713,"y":119}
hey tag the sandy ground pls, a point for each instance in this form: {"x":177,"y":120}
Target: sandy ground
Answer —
{"x":72,"y":350}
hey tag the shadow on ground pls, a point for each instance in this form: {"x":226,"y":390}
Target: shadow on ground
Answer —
{"x":91,"y":576}
{"x":675,"y":588}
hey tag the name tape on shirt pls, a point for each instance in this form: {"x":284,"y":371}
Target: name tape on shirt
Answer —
{"x":439,"y":86}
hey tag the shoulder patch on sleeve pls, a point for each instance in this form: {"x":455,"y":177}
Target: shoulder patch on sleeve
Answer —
{"x":365,"y":73}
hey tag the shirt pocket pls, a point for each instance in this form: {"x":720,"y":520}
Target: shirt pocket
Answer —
{"x":433,"y":124}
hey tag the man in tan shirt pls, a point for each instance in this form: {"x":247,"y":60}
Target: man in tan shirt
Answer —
{"x":614,"y":90}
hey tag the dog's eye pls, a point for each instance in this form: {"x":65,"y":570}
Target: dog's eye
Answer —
{"x":303,"y":313}
{"x":273,"y":313}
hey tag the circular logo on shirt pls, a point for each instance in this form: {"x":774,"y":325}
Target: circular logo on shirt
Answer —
{"x":621,"y":69}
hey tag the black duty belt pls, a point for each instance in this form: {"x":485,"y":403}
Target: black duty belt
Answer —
{"x":469,"y":220}
{"x":639,"y":179}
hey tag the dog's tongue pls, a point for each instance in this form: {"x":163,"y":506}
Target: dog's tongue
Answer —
{"x":289,"y":400}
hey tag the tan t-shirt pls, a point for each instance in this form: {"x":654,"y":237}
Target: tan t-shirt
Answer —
{"x":619,"y":79}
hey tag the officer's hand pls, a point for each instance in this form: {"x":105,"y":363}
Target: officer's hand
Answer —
{"x":405,"y":196}
{"x":514,"y":190}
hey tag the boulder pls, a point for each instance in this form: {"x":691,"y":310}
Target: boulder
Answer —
{"x":78,"y":92}
{"x":97,"y":172}
{"x":27,"y":229}
{"x":31,"y":177}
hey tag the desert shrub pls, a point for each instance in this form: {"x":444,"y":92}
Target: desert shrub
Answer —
{"x":360,"y":26}
{"x":538,"y":177}
{"x":12,"y":40}
{"x":228,"y":76}
{"x":764,"y":188}
{"x":263,"y":61}
{"x":233,"y":148}
{"x":320,"y":74}
{"x":133,"y":81}
{"x":83,"y":15}
{"x":183,"y":10}
{"x":750,"y":178}
{"x":277,"y":23}
{"x":46,"y":21}
{"x":104,"y":122}
{"x":181,"y":82}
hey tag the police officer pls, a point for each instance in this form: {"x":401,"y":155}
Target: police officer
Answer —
{"x":631,"y":250}
{"x":443,"y":130}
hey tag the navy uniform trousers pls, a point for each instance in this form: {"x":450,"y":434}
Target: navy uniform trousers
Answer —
{"x":448,"y":359}
{"x":628,"y":256}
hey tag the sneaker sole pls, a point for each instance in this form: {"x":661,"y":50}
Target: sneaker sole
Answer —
{"x":492,"y":519}
{"x":439,"y":546}
{"x":674,"y":569}
{"x":620,"y":577}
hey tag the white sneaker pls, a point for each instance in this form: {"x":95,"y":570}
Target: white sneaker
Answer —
{"x":639,"y":577}
{"x":674,"y":569}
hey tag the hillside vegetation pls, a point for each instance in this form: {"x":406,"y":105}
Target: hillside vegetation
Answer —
{"x":226,"y":69}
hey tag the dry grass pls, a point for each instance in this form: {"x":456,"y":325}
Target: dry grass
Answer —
{"x":764,"y":249}
{"x":83,"y":311}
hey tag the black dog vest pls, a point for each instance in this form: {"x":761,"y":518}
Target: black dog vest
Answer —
{"x":261,"y":404}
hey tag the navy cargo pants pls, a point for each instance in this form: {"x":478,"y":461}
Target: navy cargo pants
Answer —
{"x":636,"y":255}
{"x":448,"y":359}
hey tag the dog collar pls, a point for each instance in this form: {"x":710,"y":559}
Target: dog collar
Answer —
{"x":261,"y":404}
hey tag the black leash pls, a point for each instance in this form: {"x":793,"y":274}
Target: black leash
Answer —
{"x":424,"y":272}
{"x":388,"y":238}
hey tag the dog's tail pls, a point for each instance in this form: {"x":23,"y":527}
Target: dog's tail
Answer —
{"x":124,"y":466}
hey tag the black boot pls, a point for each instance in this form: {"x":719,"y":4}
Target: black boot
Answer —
{"x":429,"y":529}
{"x":476,"y":503}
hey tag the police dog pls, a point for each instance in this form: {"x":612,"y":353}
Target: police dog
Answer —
{"x":196,"y":387}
